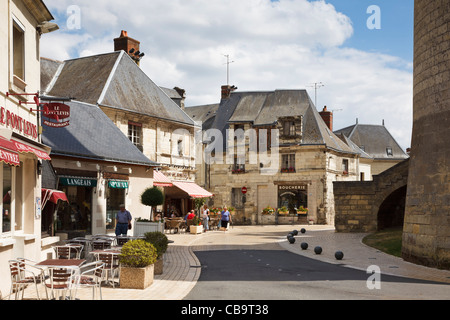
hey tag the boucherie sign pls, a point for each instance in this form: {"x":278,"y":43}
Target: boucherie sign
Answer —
{"x":56,"y":115}
{"x":16,"y":123}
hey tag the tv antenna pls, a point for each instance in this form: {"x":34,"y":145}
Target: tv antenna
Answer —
{"x":316,"y":87}
{"x":228,"y":68}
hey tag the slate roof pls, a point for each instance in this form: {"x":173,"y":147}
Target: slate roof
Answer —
{"x":374,"y":140}
{"x":92,"y":135}
{"x":113,"y":80}
{"x":264,"y":108}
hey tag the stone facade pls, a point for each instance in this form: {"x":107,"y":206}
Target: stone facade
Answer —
{"x":426,"y":237}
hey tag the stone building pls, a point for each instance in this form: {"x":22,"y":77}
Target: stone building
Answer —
{"x":303,"y":155}
{"x":22,"y":24}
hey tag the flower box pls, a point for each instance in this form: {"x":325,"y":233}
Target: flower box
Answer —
{"x":196,"y":229}
{"x":136,"y":278}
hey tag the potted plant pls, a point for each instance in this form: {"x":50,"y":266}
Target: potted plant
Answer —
{"x":160,"y":241}
{"x":232,"y":210}
{"x":283,"y":211}
{"x":136,"y":264}
{"x":268,"y":210}
{"x":196,"y":226}
{"x":151,"y":197}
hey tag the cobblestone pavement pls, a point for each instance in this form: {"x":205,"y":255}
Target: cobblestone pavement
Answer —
{"x":182,"y":268}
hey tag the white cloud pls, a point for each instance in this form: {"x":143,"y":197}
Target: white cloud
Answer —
{"x":274,"y":45}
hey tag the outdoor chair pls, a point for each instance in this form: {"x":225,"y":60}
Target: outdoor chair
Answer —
{"x":122,"y":240}
{"x":69,"y":251}
{"x":111,"y":267}
{"x":91,"y":277}
{"x":62,"y":280}
{"x":24,"y":273}
{"x":101,"y":244}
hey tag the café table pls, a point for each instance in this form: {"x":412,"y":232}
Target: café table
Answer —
{"x":54,"y":263}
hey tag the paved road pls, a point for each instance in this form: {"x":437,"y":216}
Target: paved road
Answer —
{"x":283,"y":275}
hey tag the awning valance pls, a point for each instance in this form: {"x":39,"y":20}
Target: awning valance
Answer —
{"x":160,"y":180}
{"x":192,"y":189}
{"x":24,"y":148}
{"x":8,"y":152}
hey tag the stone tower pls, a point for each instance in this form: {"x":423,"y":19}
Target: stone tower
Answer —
{"x":426,"y":235}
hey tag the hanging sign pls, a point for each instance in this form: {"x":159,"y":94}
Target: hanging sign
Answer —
{"x":56,"y":115}
{"x":114,"y":184}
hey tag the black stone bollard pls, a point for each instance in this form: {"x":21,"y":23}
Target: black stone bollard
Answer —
{"x":339,"y":255}
{"x":304,"y":246}
{"x":318,"y":250}
{"x":295,"y":232}
{"x":291,"y":240}
{"x":303,"y":230}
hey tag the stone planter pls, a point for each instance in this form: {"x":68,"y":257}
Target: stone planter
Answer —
{"x":267,"y":219}
{"x":196,"y":229}
{"x":136,"y":278}
{"x":159,"y":266}
{"x":141,"y":228}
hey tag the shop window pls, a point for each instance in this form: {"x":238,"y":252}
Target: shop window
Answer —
{"x":288,"y":163}
{"x":18,"y":198}
{"x":18,"y":50}
{"x":6,"y":199}
{"x":116,"y":197}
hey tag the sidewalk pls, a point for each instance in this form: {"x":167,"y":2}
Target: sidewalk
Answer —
{"x":182,"y":268}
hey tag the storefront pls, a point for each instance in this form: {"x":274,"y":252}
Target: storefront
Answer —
{"x":292,"y":197}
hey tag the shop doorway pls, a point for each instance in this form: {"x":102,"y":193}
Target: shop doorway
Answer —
{"x":75,"y":217}
{"x":115,"y":198}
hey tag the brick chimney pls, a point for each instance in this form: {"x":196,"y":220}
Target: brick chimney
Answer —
{"x":129,"y":45}
{"x":327,"y":117}
{"x":227,"y":90}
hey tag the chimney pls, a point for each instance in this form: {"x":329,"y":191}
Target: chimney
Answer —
{"x":327,"y":117}
{"x":182,"y":93}
{"x":227,"y":90}
{"x":129,"y":45}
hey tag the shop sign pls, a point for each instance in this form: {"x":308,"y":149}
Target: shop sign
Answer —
{"x":56,"y":115}
{"x":16,"y":123}
{"x":78,"y":182}
{"x":114,"y":184}
{"x":291,"y":188}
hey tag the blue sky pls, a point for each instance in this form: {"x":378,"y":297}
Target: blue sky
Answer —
{"x":396,"y":35}
{"x":283,"y":44}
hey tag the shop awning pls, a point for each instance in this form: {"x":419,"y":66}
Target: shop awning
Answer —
{"x":192,"y":189}
{"x":8,"y":152}
{"x":160,"y":180}
{"x":24,"y":148}
{"x":52,"y":196}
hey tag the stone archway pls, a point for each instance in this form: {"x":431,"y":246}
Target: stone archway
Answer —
{"x":392,"y":210}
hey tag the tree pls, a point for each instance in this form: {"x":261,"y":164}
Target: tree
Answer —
{"x":152,"y":197}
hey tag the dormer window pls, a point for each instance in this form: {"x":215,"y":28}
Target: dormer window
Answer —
{"x":389,"y":151}
{"x":289,"y":128}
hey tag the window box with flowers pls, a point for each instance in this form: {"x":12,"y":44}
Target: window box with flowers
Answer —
{"x":237,"y":171}
{"x":283,"y":211}
{"x":288,"y":170}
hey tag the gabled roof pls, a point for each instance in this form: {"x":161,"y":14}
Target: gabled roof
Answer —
{"x":374,"y":140}
{"x":265,"y":108}
{"x":115,"y":80}
{"x":203,"y":115}
{"x":92,"y":135}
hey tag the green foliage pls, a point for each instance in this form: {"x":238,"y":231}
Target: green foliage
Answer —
{"x":138,"y":254}
{"x":159,"y":240}
{"x":152,"y":197}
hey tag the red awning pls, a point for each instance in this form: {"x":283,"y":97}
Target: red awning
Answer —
{"x":192,"y":189}
{"x":160,"y":180}
{"x":24,"y":148}
{"x":52,"y":196}
{"x":8,"y":152}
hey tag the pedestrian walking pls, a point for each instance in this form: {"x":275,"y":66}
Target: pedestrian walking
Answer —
{"x":123,"y":218}
{"x":205,"y":218}
{"x":225,"y":218}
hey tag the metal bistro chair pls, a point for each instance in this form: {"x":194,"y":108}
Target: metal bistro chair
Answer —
{"x":62,"y":279}
{"x":111,"y":262}
{"x":68,"y":251}
{"x":91,"y":277}
{"x":121,"y":240}
{"x":24,"y":273}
